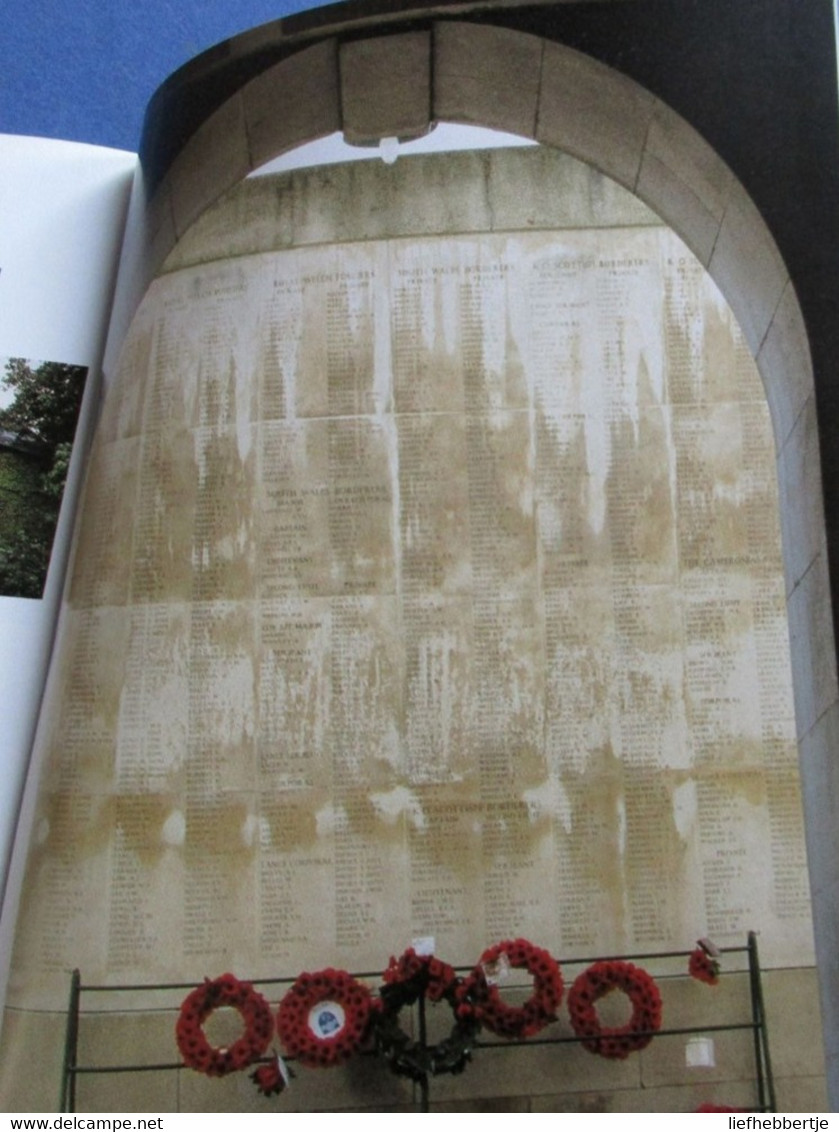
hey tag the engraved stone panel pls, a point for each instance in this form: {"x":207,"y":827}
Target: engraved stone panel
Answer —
{"x":449,"y":602}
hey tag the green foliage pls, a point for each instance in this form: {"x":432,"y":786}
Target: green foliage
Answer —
{"x":46,"y":402}
{"x":27,"y":524}
{"x":19,"y":478}
{"x":53,"y":479}
{"x":43,"y":412}
{"x":23,"y":562}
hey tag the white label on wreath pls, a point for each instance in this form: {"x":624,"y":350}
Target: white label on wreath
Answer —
{"x":326,"y":1019}
{"x":496,"y":970}
{"x":283,"y":1069}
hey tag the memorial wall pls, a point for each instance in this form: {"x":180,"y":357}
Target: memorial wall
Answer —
{"x":427,"y":583}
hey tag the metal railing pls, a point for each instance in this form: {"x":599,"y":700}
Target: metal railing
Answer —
{"x":756,"y":1025}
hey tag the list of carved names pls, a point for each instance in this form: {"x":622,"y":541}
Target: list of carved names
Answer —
{"x":430,"y":588}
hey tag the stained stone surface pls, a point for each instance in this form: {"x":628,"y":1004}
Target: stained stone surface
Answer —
{"x":424,"y":585}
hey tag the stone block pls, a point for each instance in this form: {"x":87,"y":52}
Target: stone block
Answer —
{"x":688,"y":1003}
{"x":416,"y":196}
{"x":593,"y":113}
{"x":826,"y":928}
{"x":543,"y":188}
{"x":688,"y":1098}
{"x":820,"y":785}
{"x":213,"y":160}
{"x":544,"y":1069}
{"x":127,"y":1092}
{"x":748,"y":268}
{"x":364,"y":1083}
{"x":793,"y":1018}
{"x":686,"y":180}
{"x":293,"y":102}
{"x":800,"y":496}
{"x":812,"y":646}
{"x":820,"y":796}
{"x":791,"y":1000}
{"x":801,"y":1094}
{"x":111,"y":1038}
{"x":488,"y":76}
{"x":785,"y":365}
{"x":31,"y":1057}
{"x":484,"y":1104}
{"x":161,"y":236}
{"x":253,"y":217}
{"x":386,"y":87}
{"x":605,"y":1101}
{"x":663,"y":1062}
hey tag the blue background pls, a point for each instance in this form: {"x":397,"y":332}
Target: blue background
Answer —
{"x":84,"y":70}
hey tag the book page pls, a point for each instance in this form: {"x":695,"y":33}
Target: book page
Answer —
{"x":62,"y":214}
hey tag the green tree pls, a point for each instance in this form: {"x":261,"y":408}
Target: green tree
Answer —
{"x":46,"y":401}
{"x":24,"y":554}
{"x":27,"y":524}
{"x":43,"y":412}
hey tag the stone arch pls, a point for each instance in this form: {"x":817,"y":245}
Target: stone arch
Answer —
{"x":560,"y":97}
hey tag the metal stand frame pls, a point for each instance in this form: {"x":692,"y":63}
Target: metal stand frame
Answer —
{"x":71,"y":1069}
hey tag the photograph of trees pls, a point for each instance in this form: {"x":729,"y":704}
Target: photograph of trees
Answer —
{"x":39,"y":407}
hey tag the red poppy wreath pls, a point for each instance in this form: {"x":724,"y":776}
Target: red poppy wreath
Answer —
{"x":324,"y":1017}
{"x":599,"y":980}
{"x":199,"y":1004}
{"x":498,"y":1016}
